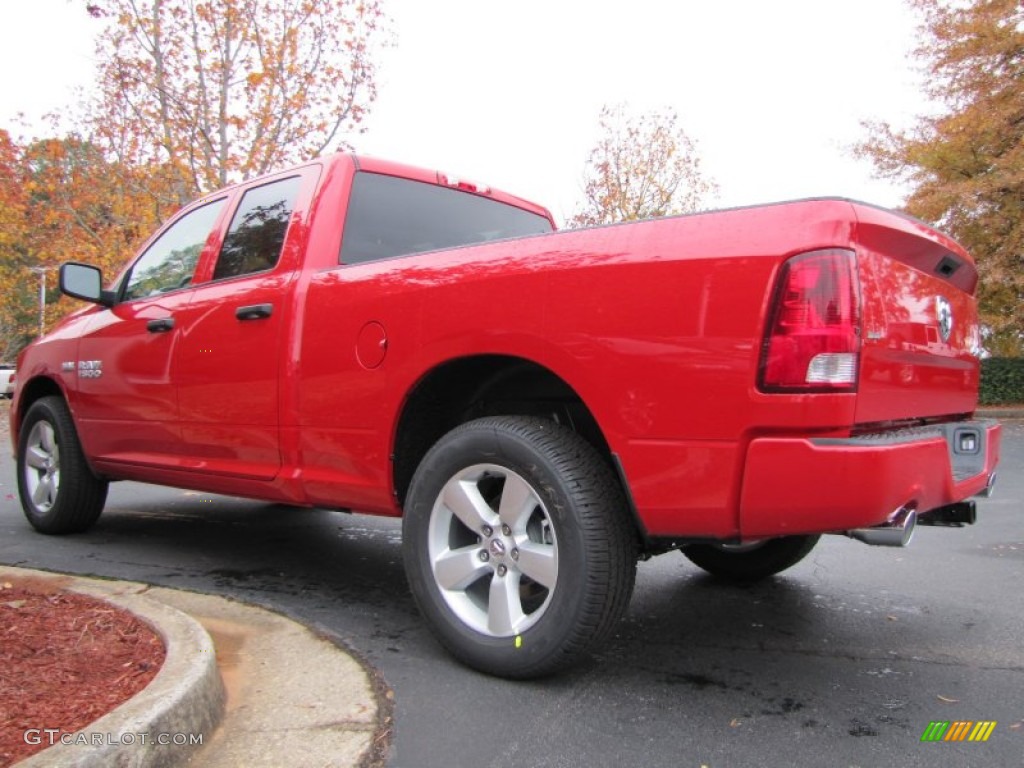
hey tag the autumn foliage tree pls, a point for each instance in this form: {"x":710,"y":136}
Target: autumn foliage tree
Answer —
{"x":215,"y":92}
{"x":966,"y":165}
{"x":60,"y":200}
{"x":191,"y":95}
{"x":15,"y":306}
{"x":642,"y":166}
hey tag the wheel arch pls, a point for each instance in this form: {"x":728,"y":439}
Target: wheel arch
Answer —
{"x":29,"y":392}
{"x":471,"y":387}
{"x":59,"y":492}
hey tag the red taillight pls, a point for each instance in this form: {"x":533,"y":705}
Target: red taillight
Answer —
{"x":813,"y":334}
{"x":466,"y":186}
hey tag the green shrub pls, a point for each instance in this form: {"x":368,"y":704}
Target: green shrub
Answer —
{"x":1002,"y":380}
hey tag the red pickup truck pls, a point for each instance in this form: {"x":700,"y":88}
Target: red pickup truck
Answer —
{"x":541,"y":408}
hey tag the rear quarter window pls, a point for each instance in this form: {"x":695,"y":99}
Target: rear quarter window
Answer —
{"x":258,"y":228}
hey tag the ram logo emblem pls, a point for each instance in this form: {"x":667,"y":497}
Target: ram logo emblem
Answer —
{"x":944,"y":314}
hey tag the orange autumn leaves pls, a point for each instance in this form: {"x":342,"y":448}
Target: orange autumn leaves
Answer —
{"x":966,"y":163}
{"x":230,"y":90}
{"x":189,"y":97}
{"x":60,"y":200}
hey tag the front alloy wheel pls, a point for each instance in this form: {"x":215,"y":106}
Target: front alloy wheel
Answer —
{"x":42,"y":466}
{"x":59,"y":493}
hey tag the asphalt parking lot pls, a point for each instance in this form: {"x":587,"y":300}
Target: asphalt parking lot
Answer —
{"x":843,"y":661}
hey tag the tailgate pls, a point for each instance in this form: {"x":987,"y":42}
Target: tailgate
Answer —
{"x":919,"y":321}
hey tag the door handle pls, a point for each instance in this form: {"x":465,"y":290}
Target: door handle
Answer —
{"x":162,"y":325}
{"x":254,"y":312}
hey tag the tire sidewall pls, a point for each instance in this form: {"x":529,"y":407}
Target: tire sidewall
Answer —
{"x":773,"y":557}
{"x":535,"y":646}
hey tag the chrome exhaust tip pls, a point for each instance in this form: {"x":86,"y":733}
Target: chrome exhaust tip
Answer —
{"x":896,"y":533}
{"x":990,"y":487}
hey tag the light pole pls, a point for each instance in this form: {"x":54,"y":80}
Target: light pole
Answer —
{"x":41,"y":271}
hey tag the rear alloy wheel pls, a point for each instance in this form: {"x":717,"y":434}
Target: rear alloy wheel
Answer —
{"x":499,"y":582}
{"x":59,"y":493}
{"x":753,"y":561}
{"x":517,"y":548}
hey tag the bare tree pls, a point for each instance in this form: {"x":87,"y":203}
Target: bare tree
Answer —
{"x":642,"y":166}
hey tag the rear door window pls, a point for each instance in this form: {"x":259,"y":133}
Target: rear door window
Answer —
{"x":257,"y":232}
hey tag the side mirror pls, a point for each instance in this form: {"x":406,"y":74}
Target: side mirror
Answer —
{"x":84,"y":281}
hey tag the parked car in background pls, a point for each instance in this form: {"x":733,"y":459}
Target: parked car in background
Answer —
{"x":6,"y":380}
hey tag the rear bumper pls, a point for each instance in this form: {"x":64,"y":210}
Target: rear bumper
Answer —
{"x":794,"y":486}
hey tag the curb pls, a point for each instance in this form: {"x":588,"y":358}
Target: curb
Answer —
{"x":186,"y":697}
{"x":261,"y":688}
{"x":1000,"y":412}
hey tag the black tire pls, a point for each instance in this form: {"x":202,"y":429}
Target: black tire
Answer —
{"x":750,"y":562}
{"x":59,"y":493}
{"x":564,"y":522}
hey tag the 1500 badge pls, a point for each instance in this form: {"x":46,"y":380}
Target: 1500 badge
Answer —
{"x":90,"y":369}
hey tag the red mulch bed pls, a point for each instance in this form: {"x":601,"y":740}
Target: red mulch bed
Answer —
{"x":65,"y":660}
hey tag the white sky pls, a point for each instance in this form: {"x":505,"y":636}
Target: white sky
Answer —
{"x":508,"y":93}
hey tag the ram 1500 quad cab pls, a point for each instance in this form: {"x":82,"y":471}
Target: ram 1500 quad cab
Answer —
{"x":541,"y":408}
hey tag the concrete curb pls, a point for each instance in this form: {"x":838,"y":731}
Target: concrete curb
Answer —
{"x":186,"y":697}
{"x":264,"y":690}
{"x":295,"y":697}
